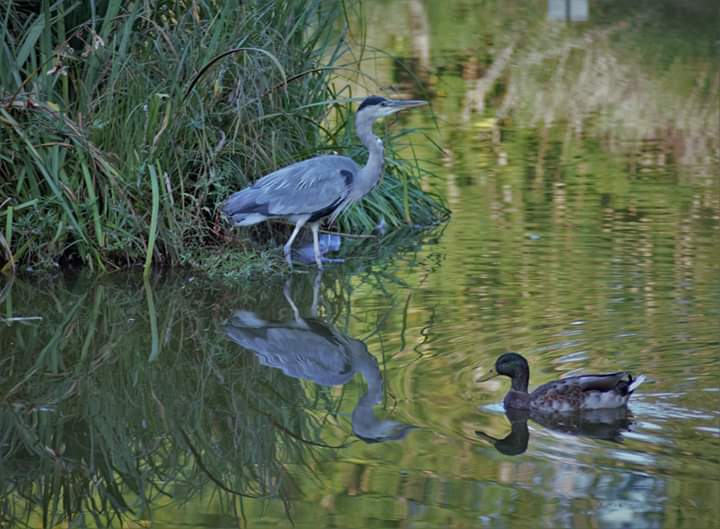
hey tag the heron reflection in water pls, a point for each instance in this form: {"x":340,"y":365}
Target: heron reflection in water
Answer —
{"x":315,"y":350}
{"x":604,"y":424}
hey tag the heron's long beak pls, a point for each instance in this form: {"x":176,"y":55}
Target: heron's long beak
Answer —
{"x":401,"y":104}
{"x":491,"y":374}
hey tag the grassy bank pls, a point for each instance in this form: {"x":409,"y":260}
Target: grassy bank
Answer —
{"x":115,"y":151}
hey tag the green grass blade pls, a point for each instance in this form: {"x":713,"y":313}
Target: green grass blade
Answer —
{"x":31,"y":38}
{"x":152,"y":315}
{"x":90,"y":186}
{"x":152,"y":235}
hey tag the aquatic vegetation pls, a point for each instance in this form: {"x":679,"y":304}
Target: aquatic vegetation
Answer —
{"x":116,"y":145}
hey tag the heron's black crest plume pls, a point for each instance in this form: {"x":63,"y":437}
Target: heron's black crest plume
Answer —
{"x":371,"y":100}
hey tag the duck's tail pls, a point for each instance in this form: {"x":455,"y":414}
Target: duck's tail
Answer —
{"x":635,"y":382}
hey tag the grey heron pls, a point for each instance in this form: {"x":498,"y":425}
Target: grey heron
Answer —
{"x":312,"y":349}
{"x":312,"y":190}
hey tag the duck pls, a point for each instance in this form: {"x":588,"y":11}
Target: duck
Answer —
{"x":572,"y":394}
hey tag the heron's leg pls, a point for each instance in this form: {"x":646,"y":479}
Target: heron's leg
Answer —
{"x":288,"y":298}
{"x":316,"y":294}
{"x":288,"y":245}
{"x":315,"y":227}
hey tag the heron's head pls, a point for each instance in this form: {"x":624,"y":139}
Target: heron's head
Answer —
{"x":374,"y":107}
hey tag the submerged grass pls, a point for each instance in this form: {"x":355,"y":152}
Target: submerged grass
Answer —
{"x":116,"y":145}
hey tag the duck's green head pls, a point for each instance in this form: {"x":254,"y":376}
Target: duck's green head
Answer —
{"x":509,"y":364}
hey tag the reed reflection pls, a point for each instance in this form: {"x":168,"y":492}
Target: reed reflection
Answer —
{"x":314,"y":349}
{"x":605,"y":424}
{"x":94,"y":428}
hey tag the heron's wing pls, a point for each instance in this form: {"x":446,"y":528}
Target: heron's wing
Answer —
{"x":308,"y":187}
{"x":306,"y":353}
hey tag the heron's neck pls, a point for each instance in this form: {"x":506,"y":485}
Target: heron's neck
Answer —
{"x":366,"y":364}
{"x":370,"y":174}
{"x":364,"y":421}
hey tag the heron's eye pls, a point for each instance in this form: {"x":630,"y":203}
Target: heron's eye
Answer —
{"x":383,"y":104}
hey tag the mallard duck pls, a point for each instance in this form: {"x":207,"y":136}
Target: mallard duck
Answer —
{"x":571,"y":394}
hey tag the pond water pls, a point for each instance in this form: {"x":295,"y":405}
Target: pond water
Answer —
{"x":580,"y":161}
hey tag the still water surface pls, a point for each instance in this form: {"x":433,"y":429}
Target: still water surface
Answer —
{"x":584,"y":235}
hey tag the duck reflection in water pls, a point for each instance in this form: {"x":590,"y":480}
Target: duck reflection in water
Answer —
{"x":605,"y":424}
{"x":315,"y":350}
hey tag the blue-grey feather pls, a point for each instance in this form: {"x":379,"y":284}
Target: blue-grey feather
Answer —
{"x":311,"y":349}
{"x":315,"y":187}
